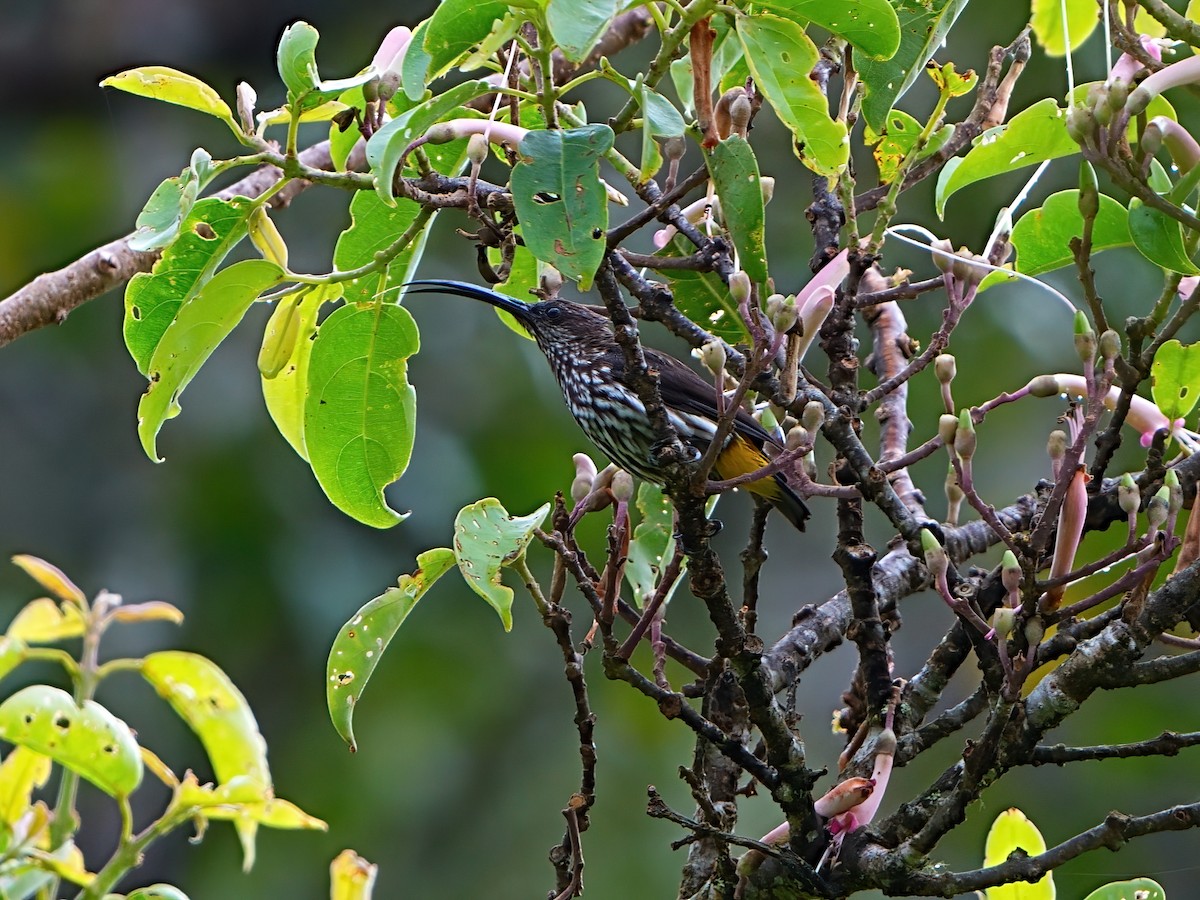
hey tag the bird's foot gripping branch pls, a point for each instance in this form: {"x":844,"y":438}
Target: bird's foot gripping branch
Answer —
{"x":559,"y":164}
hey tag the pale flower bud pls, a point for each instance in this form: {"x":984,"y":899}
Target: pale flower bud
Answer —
{"x":1158,"y":507}
{"x":1010,"y":572}
{"x":947,"y":426}
{"x":964,"y":437}
{"x":622,"y":486}
{"x":813,"y":416}
{"x":935,"y":554}
{"x":739,"y":287}
{"x":477,"y":149}
{"x":712,"y":355}
{"x":1044,"y":386}
{"x":1056,"y":444}
{"x":1175,"y":495}
{"x":797,"y":437}
{"x":1110,"y":344}
{"x":585,"y":474}
{"x":1003,"y":620}
{"x":945,"y":368}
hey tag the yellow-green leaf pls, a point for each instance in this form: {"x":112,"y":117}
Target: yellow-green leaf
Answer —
{"x":150,"y":611}
{"x":52,"y":578}
{"x":43,"y":621}
{"x":172,"y":86}
{"x":88,"y":740}
{"x":158,"y":892}
{"x":1175,"y":378}
{"x":487,"y":538}
{"x":22,"y":771}
{"x":1048,"y":26}
{"x":360,"y":642}
{"x":1010,"y":832}
{"x":284,"y":393}
{"x":351,"y":877}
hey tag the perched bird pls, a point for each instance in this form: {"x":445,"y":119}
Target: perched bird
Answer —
{"x":578,"y":342}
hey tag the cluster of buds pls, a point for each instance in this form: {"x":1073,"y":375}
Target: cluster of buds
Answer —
{"x":962,"y":268}
{"x":592,"y":491}
{"x":732,"y":113}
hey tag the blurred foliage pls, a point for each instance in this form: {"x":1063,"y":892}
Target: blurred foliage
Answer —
{"x":233,"y":530}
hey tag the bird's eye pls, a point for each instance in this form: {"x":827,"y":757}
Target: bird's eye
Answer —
{"x":554,"y":312}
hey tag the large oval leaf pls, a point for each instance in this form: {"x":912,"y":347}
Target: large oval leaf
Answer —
{"x":455,"y":27}
{"x":88,"y":740}
{"x":360,"y":412}
{"x":1043,"y":236}
{"x":199,"y":326}
{"x":1159,"y":238}
{"x":211,"y":230}
{"x":487,"y":538}
{"x":734,"y":172}
{"x":559,"y":199}
{"x":1034,"y":135}
{"x":780,"y":56}
{"x":172,"y":86}
{"x":360,"y":643}
{"x":924,"y":25}
{"x":870,"y":25}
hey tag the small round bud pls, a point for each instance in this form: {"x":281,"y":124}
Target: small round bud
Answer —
{"x":1056,"y":444}
{"x":1044,"y":386}
{"x":964,"y":437}
{"x":1152,"y":139}
{"x":1110,"y":344}
{"x":739,"y":287}
{"x":935,"y":554}
{"x":1085,"y":339}
{"x":954,"y":492}
{"x":1158,"y":508}
{"x":622,"y":486}
{"x":739,"y":114}
{"x":1103,"y":112}
{"x":1035,"y":630}
{"x":477,"y":149}
{"x":945,"y":367}
{"x":782,"y":312}
{"x":1139,"y":99}
{"x":1118,"y":94}
{"x":551,"y":281}
{"x":813,"y":416}
{"x":1003,"y":620}
{"x":798,"y":437}
{"x":370,"y":90}
{"x":389,"y":83}
{"x":712,"y":355}
{"x":943,"y":254}
{"x":585,"y":474}
{"x":1127,"y":495}
{"x":947,"y":426}
{"x":674,"y":147}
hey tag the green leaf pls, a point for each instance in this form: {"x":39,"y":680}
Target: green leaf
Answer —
{"x":727,"y":53}
{"x":297,"y":62}
{"x":414,"y":68}
{"x":487,"y":538}
{"x":360,"y":643}
{"x":285,"y":393}
{"x":173,"y":86}
{"x":924,"y":25}
{"x":562,"y":206}
{"x":218,"y":714}
{"x":210,"y":231}
{"x":780,"y":56}
{"x":522,"y":278}
{"x":360,"y":413}
{"x":386,"y":146}
{"x":703,"y":297}
{"x":243,"y":801}
{"x":43,"y":621}
{"x":1047,"y":24}
{"x":1136,"y":889}
{"x":653,"y":542}
{"x":13,"y":652}
{"x":1043,"y":236}
{"x":1159,"y":238}
{"x":1175,"y":378}
{"x":160,"y":219}
{"x":201,"y":324}
{"x":374,"y":226}
{"x":455,"y":27}
{"x":351,"y":877}
{"x":1034,"y":135}
{"x":157,"y":892}
{"x":870,"y":25}
{"x":897,"y":141}
{"x":660,"y":119}
{"x":88,"y":740}
{"x":576,"y":25}
{"x":734,"y":171}
{"x":1012,"y":831}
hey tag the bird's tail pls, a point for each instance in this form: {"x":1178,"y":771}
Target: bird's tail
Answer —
{"x":742,"y":456}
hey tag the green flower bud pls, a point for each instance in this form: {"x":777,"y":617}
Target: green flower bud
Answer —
{"x":739,"y":114}
{"x":767,"y":419}
{"x":1158,"y":508}
{"x":739,"y":287}
{"x":1003,"y":620}
{"x":813,"y":416}
{"x":935,"y":554}
{"x":947,"y":426}
{"x":1152,"y":139}
{"x":1110,"y":345}
{"x":1035,"y":630}
{"x":1089,"y":191}
{"x":1085,"y":339}
{"x":1175,"y":498}
{"x":964,"y":437}
{"x":945,"y":368}
{"x":1010,"y":572}
{"x":477,"y":149}
{"x":943,"y":254}
{"x":782,"y":312}
{"x":1118,"y":94}
{"x":1044,"y":386}
{"x":622,"y":486}
{"x":1127,"y":495}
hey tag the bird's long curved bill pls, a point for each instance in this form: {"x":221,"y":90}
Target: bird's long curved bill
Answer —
{"x":511,"y":305}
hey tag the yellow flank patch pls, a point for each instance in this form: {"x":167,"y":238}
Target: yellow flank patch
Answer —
{"x":741,"y":457}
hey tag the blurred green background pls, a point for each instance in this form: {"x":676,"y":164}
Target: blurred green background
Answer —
{"x":467,"y":752}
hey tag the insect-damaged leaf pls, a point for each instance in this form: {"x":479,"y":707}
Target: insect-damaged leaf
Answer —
{"x":487,"y":538}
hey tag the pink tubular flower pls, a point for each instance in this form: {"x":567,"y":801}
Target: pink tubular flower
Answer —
{"x":830,"y":277}
{"x":1126,"y":67}
{"x":707,"y":207}
{"x":391,"y":51}
{"x":1187,"y":285}
{"x":1066,"y":541}
{"x":1184,"y":150}
{"x":1143,"y":414}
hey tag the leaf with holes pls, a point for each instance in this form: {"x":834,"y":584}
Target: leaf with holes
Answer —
{"x":871,"y":26}
{"x":924,"y":25}
{"x":160,"y":219}
{"x":576,"y":25}
{"x":1034,"y":135}
{"x":286,"y":392}
{"x":172,"y":86}
{"x":351,"y":877}
{"x":360,"y":643}
{"x":1135,"y":889}
{"x":562,"y":206}
{"x":88,"y":740}
{"x":211,"y":230}
{"x":241,"y":799}
{"x":1043,"y":236}
{"x":218,"y":714}
{"x":897,"y":141}
{"x":1159,"y":238}
{"x":360,"y":411}
{"x":487,"y":538}
{"x":703,"y":297}
{"x":1175,"y":378}
{"x":1009,"y":833}
{"x":455,"y":27}
{"x":734,"y":172}
{"x":780,"y":56}
{"x":201,"y":323}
